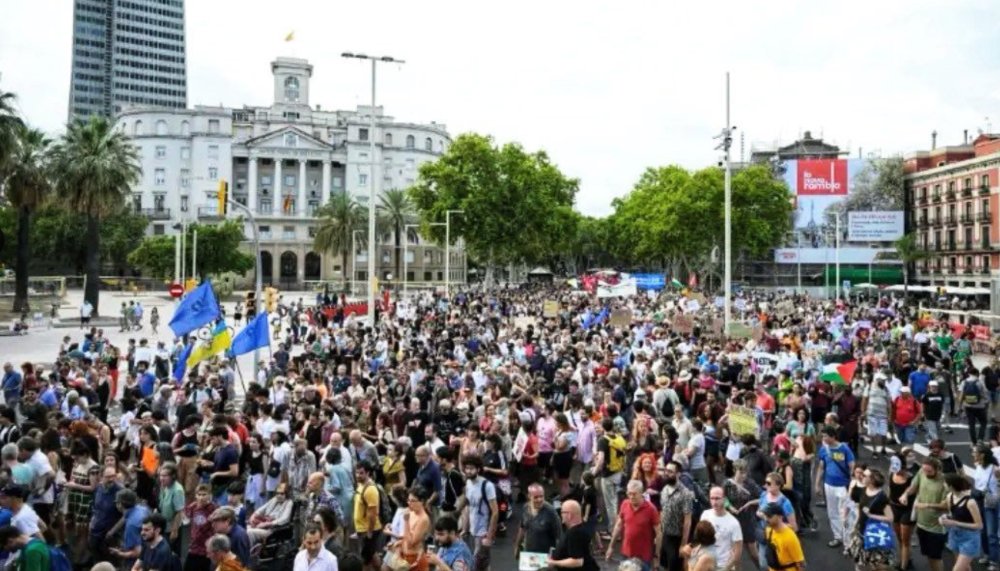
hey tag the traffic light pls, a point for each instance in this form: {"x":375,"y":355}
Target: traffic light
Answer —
{"x":223,"y":194}
{"x":271,"y":299}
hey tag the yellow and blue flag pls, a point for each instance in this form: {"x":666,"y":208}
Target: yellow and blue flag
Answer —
{"x":220,"y":341}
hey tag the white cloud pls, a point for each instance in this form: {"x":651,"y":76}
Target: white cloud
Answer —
{"x":606,"y":88}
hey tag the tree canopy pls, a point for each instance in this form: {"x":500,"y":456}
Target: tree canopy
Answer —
{"x":218,"y":251}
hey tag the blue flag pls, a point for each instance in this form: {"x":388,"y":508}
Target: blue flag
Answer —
{"x":255,"y":335}
{"x":180,"y":367}
{"x":196,"y":309}
{"x":602,"y":316}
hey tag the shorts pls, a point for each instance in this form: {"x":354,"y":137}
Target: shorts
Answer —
{"x":965,"y":542}
{"x":370,"y":546}
{"x":878,"y":426}
{"x":931,"y":543}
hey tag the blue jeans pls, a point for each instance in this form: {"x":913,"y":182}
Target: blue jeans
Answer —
{"x":906,"y":434}
{"x":991,"y":533}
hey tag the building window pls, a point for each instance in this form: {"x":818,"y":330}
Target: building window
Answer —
{"x":386,"y":257}
{"x":337,"y":182}
{"x":410,"y":164}
{"x":185,"y":152}
{"x":427,"y":276}
{"x":138,"y":129}
{"x":986,"y":262}
{"x":388,"y":139}
{"x":291,"y":140}
{"x":312,"y":231}
{"x":410,"y":142}
{"x":363,"y":179}
{"x":428,"y":144}
{"x":213,"y":151}
{"x":213,"y":126}
{"x":363,"y":134}
{"x":161,"y":151}
{"x":184,"y":204}
{"x":440,"y":145}
{"x":363,"y":156}
{"x":440,"y":276}
{"x":160,"y":177}
{"x":158,"y":230}
{"x":213,"y":173}
{"x":137,"y":203}
{"x":291,"y":89}
{"x":161,"y":127}
{"x":185,"y":178}
{"x":185,"y":128}
{"x":288,"y":232}
{"x":984,"y":181}
{"x":290,"y":180}
{"x":984,"y":233}
{"x":262,"y":115}
{"x":265,"y":232}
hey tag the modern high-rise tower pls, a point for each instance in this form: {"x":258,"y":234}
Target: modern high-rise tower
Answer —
{"x":127,"y":52}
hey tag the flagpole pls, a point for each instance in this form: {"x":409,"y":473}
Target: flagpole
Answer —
{"x":257,"y":280}
{"x":240,"y":372}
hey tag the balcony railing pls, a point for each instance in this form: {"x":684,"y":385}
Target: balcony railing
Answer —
{"x":156,"y":213}
{"x":936,"y":221}
{"x":949,"y":194}
{"x":969,"y":246}
{"x":984,"y":189}
{"x":265,"y":210}
{"x":984,"y":217}
{"x":208,"y":212}
{"x":922,"y":222}
{"x":967,"y":270}
{"x":984,"y":270}
{"x":950,"y":220}
{"x":967,"y":191}
{"x":966,"y":219}
{"x":936,"y":197}
{"x":922,"y":199}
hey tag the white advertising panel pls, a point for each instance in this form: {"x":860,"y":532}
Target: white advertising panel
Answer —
{"x":877,"y":226}
{"x":829,"y":256}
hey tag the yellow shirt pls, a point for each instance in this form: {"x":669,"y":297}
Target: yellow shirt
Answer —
{"x":366,"y":496}
{"x":786,"y":545}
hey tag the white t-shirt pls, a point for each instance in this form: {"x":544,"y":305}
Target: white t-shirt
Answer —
{"x":25,"y":520}
{"x":727,"y":532}
{"x":39,"y":464}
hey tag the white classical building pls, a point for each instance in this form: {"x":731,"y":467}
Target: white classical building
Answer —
{"x":284,"y":161}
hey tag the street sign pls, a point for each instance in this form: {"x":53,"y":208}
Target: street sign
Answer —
{"x":176,"y":290}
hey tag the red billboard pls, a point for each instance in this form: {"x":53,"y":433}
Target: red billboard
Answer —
{"x":822,"y":177}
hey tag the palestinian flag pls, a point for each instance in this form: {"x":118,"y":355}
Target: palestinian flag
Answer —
{"x":676,"y":283}
{"x":839,"y":373}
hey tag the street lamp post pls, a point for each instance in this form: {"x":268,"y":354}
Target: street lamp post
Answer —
{"x":258,"y":278}
{"x":727,"y":141}
{"x":354,"y":257}
{"x":373,"y":186}
{"x":447,"y":251}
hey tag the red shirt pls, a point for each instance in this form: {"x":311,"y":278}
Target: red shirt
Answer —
{"x":639,"y":529}
{"x":530,"y":447}
{"x":201,"y":528}
{"x":906,"y":409}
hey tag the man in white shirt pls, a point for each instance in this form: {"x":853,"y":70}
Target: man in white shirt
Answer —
{"x":728,"y":534}
{"x":24,"y":518}
{"x":313,"y":556}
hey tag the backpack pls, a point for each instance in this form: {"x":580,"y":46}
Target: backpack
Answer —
{"x":973,"y":396}
{"x":667,"y":408}
{"x":616,"y":453}
{"x":385,"y":509}
{"x":58,"y":560}
{"x":484,"y":502}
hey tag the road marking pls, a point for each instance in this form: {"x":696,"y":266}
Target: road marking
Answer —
{"x":923,"y":451}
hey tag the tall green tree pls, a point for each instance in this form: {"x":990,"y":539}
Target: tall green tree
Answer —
{"x":10,"y":124}
{"x":396,"y":211}
{"x":338,"y":219}
{"x":95,"y":167}
{"x":510,"y":200}
{"x":27,"y":186}
{"x":218,"y":251}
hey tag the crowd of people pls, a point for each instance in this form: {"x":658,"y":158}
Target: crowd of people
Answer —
{"x":619,"y":429}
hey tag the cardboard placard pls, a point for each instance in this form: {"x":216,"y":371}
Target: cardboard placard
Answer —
{"x":550,"y":308}
{"x":738,"y":330}
{"x":621,"y":318}
{"x":718,"y":324}
{"x":522,"y":323}
{"x":683,"y":324}
{"x":742,"y":420}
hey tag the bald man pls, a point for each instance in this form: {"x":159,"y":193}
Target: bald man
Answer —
{"x":317,"y":495}
{"x":573,"y":550}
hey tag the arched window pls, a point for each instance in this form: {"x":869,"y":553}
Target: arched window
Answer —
{"x":138,"y":130}
{"x":291,"y":89}
{"x":388,"y":139}
{"x":161,"y":127}
{"x":410,"y":142}
{"x":428,"y":145}
{"x":185,"y":128}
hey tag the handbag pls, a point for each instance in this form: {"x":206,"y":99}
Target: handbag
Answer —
{"x":879,"y":535}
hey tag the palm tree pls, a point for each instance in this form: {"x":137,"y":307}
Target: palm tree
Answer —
{"x":339,"y":218}
{"x":95,"y":167}
{"x":10,"y":122}
{"x":27,"y":187}
{"x":909,"y":252}
{"x":396,"y":212}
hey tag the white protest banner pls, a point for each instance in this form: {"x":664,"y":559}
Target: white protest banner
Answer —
{"x":519,"y":443}
{"x":624,"y":288}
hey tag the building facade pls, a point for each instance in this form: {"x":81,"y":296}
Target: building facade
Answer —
{"x":127,"y":52}
{"x":955,"y":211}
{"x":283,"y":161}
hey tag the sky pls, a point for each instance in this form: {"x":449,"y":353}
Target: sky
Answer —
{"x":607,"y":89}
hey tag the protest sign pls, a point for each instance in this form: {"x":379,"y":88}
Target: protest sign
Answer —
{"x":742,"y":420}
{"x":693,"y":306}
{"x":621,"y":318}
{"x":523,"y":322}
{"x":519,"y":443}
{"x":738,"y":330}
{"x":550,"y":309}
{"x":683,"y":324}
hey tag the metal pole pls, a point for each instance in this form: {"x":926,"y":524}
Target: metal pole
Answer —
{"x":447,"y":251}
{"x":354,"y":258}
{"x":194,"y":256}
{"x":183,"y":254}
{"x":371,"y":210}
{"x":798,"y":260}
{"x":406,"y":259}
{"x":837,"y":256}
{"x":177,"y":258}
{"x":727,"y":142}
{"x":257,"y":279}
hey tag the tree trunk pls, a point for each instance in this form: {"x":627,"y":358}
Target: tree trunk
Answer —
{"x":399,"y":261}
{"x":21,"y":263}
{"x":343,"y":263}
{"x":906,"y":282}
{"x":93,"y":264}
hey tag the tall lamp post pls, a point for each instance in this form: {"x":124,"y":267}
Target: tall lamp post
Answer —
{"x":373,"y":186}
{"x":447,"y":252}
{"x":258,"y":278}
{"x":354,"y":257}
{"x":727,"y":141}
